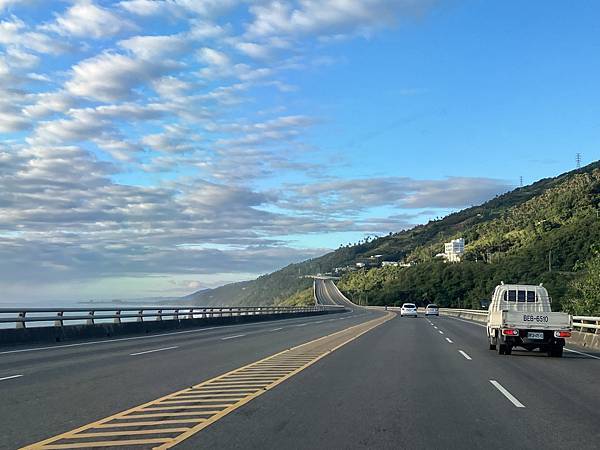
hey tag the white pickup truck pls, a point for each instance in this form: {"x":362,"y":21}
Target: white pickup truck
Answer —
{"x":520,"y":315}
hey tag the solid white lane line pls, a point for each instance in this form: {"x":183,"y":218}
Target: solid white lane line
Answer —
{"x":320,"y":321}
{"x":507,"y":394}
{"x":276,"y":329}
{"x":449,"y":341}
{"x":467,"y":321}
{"x":233,"y":337}
{"x":301,"y":325}
{"x":152,"y":351}
{"x":440,"y":331}
{"x":10,"y":377}
{"x":465,"y":355}
{"x":581,"y":353}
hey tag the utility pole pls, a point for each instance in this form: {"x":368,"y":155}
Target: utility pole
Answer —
{"x":578,"y":160}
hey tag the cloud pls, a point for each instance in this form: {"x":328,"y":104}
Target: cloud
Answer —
{"x":113,"y":76}
{"x":81,"y":224}
{"x":163,"y":150}
{"x":174,"y":139}
{"x":203,"y":8}
{"x":353,"y":196}
{"x":214,"y":57}
{"x":329,"y":17}
{"x":153,"y":47}
{"x":48,"y":103}
{"x":14,"y":32}
{"x":279,"y":129}
{"x":10,"y":122}
{"x":145,"y":7}
{"x":86,"y":19}
{"x":254,"y":50}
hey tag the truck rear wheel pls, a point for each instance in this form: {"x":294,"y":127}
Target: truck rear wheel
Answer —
{"x":501,"y":348}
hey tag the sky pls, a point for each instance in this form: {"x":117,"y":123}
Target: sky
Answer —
{"x":155,"y":148}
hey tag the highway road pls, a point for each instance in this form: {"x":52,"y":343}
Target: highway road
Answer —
{"x":390,"y":383}
{"x":328,"y":294}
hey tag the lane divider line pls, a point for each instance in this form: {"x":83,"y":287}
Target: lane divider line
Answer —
{"x":228,"y":396}
{"x":277,"y":329}
{"x":465,"y":355}
{"x":449,"y":341}
{"x":440,"y":331}
{"x":10,"y":377}
{"x":233,"y":337}
{"x":153,"y":351}
{"x":507,"y":394}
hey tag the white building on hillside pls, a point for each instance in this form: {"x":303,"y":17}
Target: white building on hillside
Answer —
{"x":454,"y":249}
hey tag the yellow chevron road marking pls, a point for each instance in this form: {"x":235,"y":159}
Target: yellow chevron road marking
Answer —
{"x":203,"y":404}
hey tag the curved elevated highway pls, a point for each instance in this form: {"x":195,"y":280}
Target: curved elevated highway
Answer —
{"x":327,"y":293}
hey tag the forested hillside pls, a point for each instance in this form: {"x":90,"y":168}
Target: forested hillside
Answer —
{"x":544,"y":232}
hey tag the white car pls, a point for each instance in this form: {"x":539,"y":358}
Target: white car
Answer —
{"x":432,"y":310}
{"x":408,"y":309}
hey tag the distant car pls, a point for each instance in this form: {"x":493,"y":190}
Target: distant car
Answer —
{"x":408,"y":309}
{"x":432,"y":310}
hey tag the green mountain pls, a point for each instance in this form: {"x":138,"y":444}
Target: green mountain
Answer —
{"x":543,"y":232}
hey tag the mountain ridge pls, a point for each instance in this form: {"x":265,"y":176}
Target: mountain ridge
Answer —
{"x":511,"y":224}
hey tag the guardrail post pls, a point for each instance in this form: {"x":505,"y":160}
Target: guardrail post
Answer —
{"x":159,"y":315}
{"x":176,"y":314}
{"x":118,"y":318}
{"x":90,"y":321}
{"x":21,"y":323}
{"x":59,"y":322}
{"x":140,"y":316}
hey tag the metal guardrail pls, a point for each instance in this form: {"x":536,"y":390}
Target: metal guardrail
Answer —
{"x":61,"y":315}
{"x":585,"y":324}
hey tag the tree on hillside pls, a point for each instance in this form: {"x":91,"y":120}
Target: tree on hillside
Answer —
{"x":584,"y":294}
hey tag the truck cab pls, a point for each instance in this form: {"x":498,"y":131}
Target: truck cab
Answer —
{"x":521,"y":315}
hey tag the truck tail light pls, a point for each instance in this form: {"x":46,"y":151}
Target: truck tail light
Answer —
{"x":510,"y":332}
{"x":562,"y":334}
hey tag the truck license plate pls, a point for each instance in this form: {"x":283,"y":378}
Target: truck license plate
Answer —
{"x":534,"y":335}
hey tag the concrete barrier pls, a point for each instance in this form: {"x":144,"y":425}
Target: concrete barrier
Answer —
{"x":104,"y":330}
{"x":589,"y":340}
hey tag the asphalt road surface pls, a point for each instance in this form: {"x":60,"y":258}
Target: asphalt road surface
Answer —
{"x":408,"y":383}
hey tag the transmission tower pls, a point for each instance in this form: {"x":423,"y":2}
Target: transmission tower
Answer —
{"x":521,"y":180}
{"x":578,"y":160}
